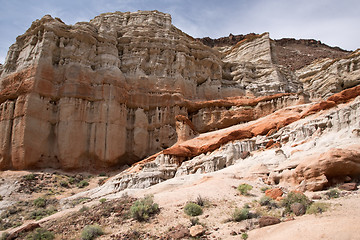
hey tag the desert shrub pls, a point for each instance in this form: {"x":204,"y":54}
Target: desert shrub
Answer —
{"x":333,"y":193}
{"x":83,"y":209}
{"x":200,"y":201}
{"x":263,"y":189}
{"x":4,"y":236}
{"x":295,"y":197}
{"x":40,"y":234}
{"x":193,"y":209}
{"x":101,"y":181}
{"x":240,"y":214}
{"x":317,"y":207}
{"x":244,"y":188}
{"x":244,"y":236}
{"x":41,"y":213}
{"x":267,"y":201}
{"x":40,"y":202}
{"x":64,"y":184}
{"x":102,"y":174}
{"x":142,"y":209}
{"x":102,"y":200}
{"x":194,"y":221}
{"x":71,"y":180}
{"x":91,"y":232}
{"x":29,"y":177}
{"x":82,"y":184}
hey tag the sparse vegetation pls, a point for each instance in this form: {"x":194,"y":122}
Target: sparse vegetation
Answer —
{"x":263,"y":189}
{"x":317,"y":207}
{"x":83,"y":209}
{"x":64,"y":184}
{"x":194,"y":221}
{"x":193,"y":209}
{"x":91,"y":232}
{"x":333,"y":193}
{"x":295,"y":197}
{"x":240,"y":214}
{"x":41,"y":213}
{"x":82,"y":184}
{"x":4,"y":236}
{"x":142,"y":209}
{"x":29,"y":177}
{"x":40,"y":234}
{"x":102,"y":200}
{"x":244,"y":236}
{"x":244,"y":189}
{"x":40,"y":202}
{"x":267,"y":201}
{"x":200,"y":201}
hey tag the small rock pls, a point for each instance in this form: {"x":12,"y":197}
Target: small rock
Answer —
{"x":298,"y":209}
{"x":233,"y":233}
{"x":267,"y":221}
{"x":348,"y":187}
{"x":316,"y":197}
{"x":244,"y":155}
{"x":274,"y":193}
{"x":197,"y":230}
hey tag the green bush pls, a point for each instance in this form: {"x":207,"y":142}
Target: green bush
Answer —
{"x":82,"y":184}
{"x":41,"y":213}
{"x":193,"y":209}
{"x":263,"y":189}
{"x":29,"y":177}
{"x":64,"y":184}
{"x":71,"y":180}
{"x":244,"y":188}
{"x":91,"y":232}
{"x":317,"y":207}
{"x":333,"y":193}
{"x":240,"y":214}
{"x":40,"y":234}
{"x":4,"y":236}
{"x":142,"y":209}
{"x":102,"y":200}
{"x":83,"y":209}
{"x":267,"y":201}
{"x":295,"y":197}
{"x":40,"y":202}
{"x":244,"y":236}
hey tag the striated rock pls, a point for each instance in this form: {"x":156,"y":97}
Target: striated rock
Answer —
{"x":267,"y":221}
{"x":317,"y":172}
{"x":348,"y":186}
{"x":185,"y":129}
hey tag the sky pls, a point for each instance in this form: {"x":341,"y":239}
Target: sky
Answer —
{"x":333,"y":22}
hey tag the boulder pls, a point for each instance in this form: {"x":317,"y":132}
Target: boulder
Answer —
{"x":267,"y":221}
{"x":348,"y":186}
{"x":298,"y":209}
{"x":197,"y":230}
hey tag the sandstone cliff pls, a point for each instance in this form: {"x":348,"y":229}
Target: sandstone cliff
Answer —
{"x":106,"y":93}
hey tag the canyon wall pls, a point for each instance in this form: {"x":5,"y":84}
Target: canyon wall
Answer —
{"x":106,"y":93}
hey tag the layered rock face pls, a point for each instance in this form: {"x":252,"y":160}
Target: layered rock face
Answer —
{"x":106,"y":93}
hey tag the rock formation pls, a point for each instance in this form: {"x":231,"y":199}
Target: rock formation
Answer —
{"x":130,"y":88}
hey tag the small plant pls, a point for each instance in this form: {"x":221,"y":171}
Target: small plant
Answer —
{"x":142,"y":209}
{"x":102,"y":200}
{"x":240,"y":214}
{"x":40,"y":202}
{"x":29,"y":177}
{"x":82,"y":184}
{"x":244,"y":236}
{"x":244,"y":188}
{"x":333,"y":193}
{"x":102,"y":174}
{"x":200,"y":201}
{"x":71,"y":180}
{"x":83,"y":209}
{"x":193,"y":209}
{"x":295,"y":197}
{"x":194,"y":221}
{"x":317,"y":207}
{"x":263,"y":189}
{"x":4,"y":236}
{"x":266,"y":201}
{"x":40,"y":234}
{"x":41,"y":213}
{"x":64,"y":184}
{"x":91,"y":232}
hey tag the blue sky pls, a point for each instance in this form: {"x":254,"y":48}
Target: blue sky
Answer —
{"x":334,"y":22}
